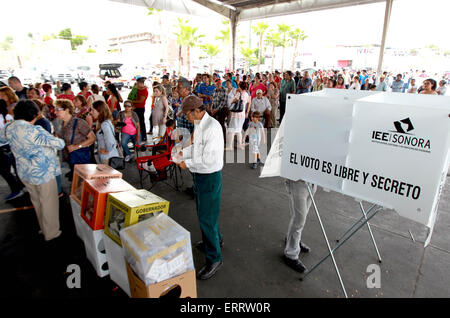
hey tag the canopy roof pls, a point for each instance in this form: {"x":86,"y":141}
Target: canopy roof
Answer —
{"x":246,"y":9}
{"x":243,"y":10}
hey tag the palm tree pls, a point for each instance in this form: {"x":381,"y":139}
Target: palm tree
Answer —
{"x":225,"y":37}
{"x":247,"y":53}
{"x":211,"y":51}
{"x":283,"y":30}
{"x":273,"y":39}
{"x":295,"y":36}
{"x":259,"y":30}
{"x":187,"y":37}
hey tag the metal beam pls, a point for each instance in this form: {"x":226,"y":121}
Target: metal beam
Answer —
{"x":387,"y":18}
{"x":283,"y":8}
{"x":220,"y":9}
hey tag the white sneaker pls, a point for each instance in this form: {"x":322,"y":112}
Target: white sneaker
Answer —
{"x":128,"y":158}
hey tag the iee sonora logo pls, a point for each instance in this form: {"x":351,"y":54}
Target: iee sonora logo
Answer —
{"x":402,"y":137}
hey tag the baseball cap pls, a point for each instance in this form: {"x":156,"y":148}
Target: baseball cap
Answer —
{"x":140,"y":78}
{"x":165,"y":77}
{"x":190,"y":103}
{"x":259,"y":91}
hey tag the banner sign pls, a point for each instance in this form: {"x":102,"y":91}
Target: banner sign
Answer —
{"x":386,"y":148}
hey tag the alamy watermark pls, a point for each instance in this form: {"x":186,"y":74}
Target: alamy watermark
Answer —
{"x":74,"y":279}
{"x":374,"y":278}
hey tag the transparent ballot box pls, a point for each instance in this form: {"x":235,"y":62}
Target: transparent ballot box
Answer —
{"x":157,"y":249}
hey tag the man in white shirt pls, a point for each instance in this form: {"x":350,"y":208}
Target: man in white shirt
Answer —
{"x":204,"y":158}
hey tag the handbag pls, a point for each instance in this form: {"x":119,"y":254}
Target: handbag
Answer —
{"x":117,"y":163}
{"x":79,"y":156}
{"x":237,"y":106}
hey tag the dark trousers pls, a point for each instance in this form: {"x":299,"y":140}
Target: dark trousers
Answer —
{"x":221,"y":116}
{"x":140,"y":112}
{"x":282,"y":109}
{"x":7,"y":161}
{"x":208,"y":190}
{"x":151,"y":123}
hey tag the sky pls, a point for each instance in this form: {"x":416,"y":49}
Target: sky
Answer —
{"x":414,"y":23}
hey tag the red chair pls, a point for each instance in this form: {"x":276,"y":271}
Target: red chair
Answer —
{"x":164,"y":169}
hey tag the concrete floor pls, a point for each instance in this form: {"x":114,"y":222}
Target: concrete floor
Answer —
{"x":254,"y":219}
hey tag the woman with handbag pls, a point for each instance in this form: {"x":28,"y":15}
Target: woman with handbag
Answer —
{"x":106,"y":140}
{"x":129,"y":122}
{"x":159,"y":113}
{"x":239,"y":110}
{"x":76,"y":133}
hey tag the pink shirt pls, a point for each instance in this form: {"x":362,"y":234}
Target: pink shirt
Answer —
{"x":129,"y":128}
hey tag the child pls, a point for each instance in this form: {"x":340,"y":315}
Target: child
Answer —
{"x":255,"y":133}
{"x":175,"y":102}
{"x":170,"y":126}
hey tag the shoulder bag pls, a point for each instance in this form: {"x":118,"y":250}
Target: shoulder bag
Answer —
{"x":237,"y":106}
{"x":79,"y":156}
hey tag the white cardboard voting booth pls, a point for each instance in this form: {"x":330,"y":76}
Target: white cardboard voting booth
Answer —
{"x":386,"y":148}
{"x":389,"y":149}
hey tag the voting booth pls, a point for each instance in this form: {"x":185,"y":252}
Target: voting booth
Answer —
{"x":388,"y":149}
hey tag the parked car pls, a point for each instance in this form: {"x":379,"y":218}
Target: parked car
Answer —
{"x":111,"y":73}
{"x":62,"y":76}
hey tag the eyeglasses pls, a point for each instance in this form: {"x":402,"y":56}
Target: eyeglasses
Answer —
{"x":58,"y":109}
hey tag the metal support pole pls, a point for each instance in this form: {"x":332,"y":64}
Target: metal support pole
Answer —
{"x":233,"y":22}
{"x":351,"y":228}
{"x":370,"y":232}
{"x":342,"y":242}
{"x":387,"y":17}
{"x":326,"y":239}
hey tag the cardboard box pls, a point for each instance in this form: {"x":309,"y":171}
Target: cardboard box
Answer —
{"x":88,"y":172}
{"x":127,"y":208}
{"x":116,"y":264}
{"x":182,"y":286}
{"x":157,"y":249}
{"x":95,"y":195}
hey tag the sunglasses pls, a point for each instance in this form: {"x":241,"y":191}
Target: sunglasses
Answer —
{"x":128,"y":105}
{"x":58,"y":109}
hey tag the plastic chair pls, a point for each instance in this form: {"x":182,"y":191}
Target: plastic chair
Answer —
{"x":164,"y":169}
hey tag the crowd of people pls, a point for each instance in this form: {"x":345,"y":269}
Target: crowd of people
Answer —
{"x":243,"y":104}
{"x":39,"y":122}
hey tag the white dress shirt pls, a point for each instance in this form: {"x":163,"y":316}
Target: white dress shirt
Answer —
{"x":205,"y":155}
{"x":260,"y":104}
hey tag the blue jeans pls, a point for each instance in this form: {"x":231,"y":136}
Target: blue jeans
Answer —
{"x":124,"y":142}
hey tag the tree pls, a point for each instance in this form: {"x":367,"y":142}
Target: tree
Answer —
{"x":273,"y":39}
{"x":187,"y":37}
{"x":259,"y":30}
{"x":6,"y":45}
{"x":78,"y":40}
{"x":248,"y":55}
{"x":296,"y":36}
{"x":211,"y":51}
{"x":225,"y":37}
{"x":283,"y":30}
{"x":47,"y":37}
